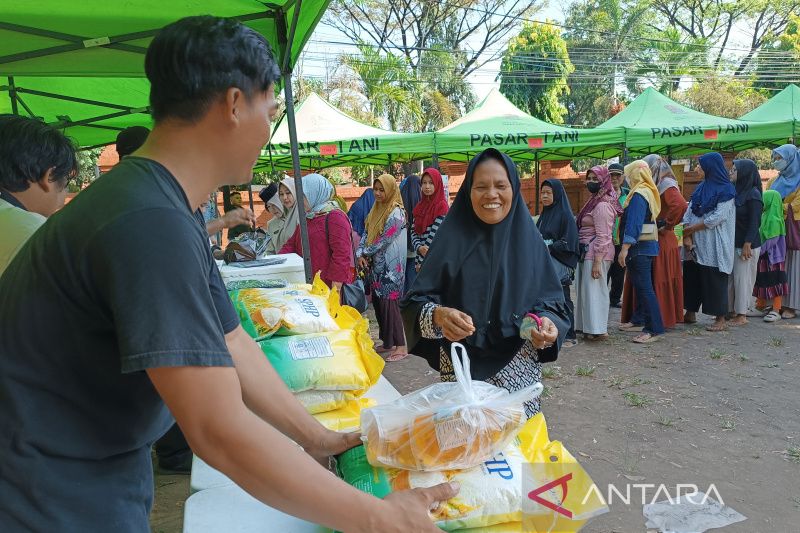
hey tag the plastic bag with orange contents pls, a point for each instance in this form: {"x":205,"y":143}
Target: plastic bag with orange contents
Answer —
{"x":445,"y":426}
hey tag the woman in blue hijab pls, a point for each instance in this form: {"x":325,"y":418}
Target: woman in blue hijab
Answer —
{"x":709,"y":231}
{"x":786,"y":160}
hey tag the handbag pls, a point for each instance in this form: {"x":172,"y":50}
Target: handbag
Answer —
{"x":649,"y":233}
{"x":248,"y":246}
{"x":353,"y":294}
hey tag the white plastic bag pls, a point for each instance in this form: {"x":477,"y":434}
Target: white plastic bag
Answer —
{"x":446,"y":425}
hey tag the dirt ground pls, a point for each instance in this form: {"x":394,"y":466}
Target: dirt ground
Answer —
{"x":697,"y":408}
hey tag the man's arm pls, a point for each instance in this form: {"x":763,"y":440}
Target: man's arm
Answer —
{"x":208,"y":405}
{"x":238,"y":217}
{"x":266,"y":395}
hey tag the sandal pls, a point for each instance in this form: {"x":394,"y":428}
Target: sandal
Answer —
{"x":687,"y":321}
{"x":595,"y":338}
{"x":646,"y":338}
{"x":395,"y":357}
{"x":630,"y":326}
{"x":737,"y":322}
{"x":788,"y":315}
{"x":570,"y":343}
{"x":772,"y":316}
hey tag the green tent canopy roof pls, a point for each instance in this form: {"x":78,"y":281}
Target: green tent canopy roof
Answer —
{"x":80,"y":66}
{"x":654,"y":123}
{"x":498,"y":123}
{"x":109,"y":38}
{"x":784,"y":105}
{"x":328,"y":137}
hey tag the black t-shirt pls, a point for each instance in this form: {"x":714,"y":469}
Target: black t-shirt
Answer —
{"x":120,"y":280}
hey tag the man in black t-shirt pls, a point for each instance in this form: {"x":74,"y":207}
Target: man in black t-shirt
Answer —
{"x":114,"y":314}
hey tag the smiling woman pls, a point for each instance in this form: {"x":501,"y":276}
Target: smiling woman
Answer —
{"x":486,"y":270}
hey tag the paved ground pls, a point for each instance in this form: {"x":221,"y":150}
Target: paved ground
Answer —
{"x":697,"y":408}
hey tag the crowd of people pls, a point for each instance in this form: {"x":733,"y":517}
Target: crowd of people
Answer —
{"x":732,"y":256}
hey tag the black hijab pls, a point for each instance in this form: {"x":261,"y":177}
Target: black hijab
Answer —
{"x":557,"y":223}
{"x":494,"y":273}
{"x":748,"y":182}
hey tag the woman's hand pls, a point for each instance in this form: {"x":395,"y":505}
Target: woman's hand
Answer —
{"x":423,"y":250}
{"x":363,"y":263}
{"x":596,"y":270}
{"x":747,"y":251}
{"x":454,"y":324}
{"x":623,"y":255}
{"x":545,"y":336}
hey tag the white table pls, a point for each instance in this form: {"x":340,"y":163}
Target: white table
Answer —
{"x":231,"y":510}
{"x":219,"y":505}
{"x":204,"y":477}
{"x":292,"y":271}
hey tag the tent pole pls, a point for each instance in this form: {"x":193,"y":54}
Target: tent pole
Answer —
{"x":12,"y":92}
{"x":285,"y":41}
{"x":536,"y":192}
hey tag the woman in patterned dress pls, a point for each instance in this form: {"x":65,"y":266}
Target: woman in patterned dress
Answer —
{"x":383,"y":252}
{"x":488,"y":269}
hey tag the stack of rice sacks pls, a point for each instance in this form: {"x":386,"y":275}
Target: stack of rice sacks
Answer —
{"x":321,"y":349}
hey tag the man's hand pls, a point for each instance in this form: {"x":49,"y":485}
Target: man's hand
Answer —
{"x":332,"y":443}
{"x":408,"y":510}
{"x":241,"y":216}
{"x":454,"y":324}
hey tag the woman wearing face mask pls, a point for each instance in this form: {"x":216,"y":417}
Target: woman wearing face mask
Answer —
{"x":786,"y":160}
{"x":383,"y":252}
{"x":428,"y":214}
{"x":640,"y":247}
{"x":709,"y":231}
{"x":478,"y":285}
{"x":595,"y":231}
{"x":749,"y":205}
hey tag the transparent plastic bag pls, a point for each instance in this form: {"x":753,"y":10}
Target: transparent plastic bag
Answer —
{"x":447,"y":425}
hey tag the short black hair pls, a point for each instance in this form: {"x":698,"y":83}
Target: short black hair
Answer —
{"x":131,"y":139}
{"x":195,"y":60}
{"x":235,"y":193}
{"x":29,"y":148}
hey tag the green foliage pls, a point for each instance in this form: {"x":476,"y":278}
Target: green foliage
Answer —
{"x":722,"y":96}
{"x":534,"y":70}
{"x":665,"y":62}
{"x":87,"y":169}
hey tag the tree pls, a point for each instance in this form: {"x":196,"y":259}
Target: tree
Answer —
{"x":388,"y":86}
{"x":778,"y":64}
{"x":722,"y":96}
{"x":601,"y":36}
{"x":665,"y":62}
{"x":410,"y":27}
{"x":534,"y":70}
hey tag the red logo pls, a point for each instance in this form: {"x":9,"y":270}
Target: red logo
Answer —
{"x":535,"y":142}
{"x":328,"y":149}
{"x":710,"y":134}
{"x":562,"y":481}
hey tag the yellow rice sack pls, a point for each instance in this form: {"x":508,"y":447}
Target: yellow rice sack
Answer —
{"x":343,"y":360}
{"x":294,"y":310}
{"x":493,"y":496}
{"x":347,"y":418}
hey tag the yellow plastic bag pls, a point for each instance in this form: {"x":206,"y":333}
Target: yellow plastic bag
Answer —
{"x":492,"y":496}
{"x":445,"y":426}
{"x":343,"y":360}
{"x":347,"y":418}
{"x":294,"y":310}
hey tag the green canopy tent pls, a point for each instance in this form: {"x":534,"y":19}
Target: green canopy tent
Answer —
{"x":328,"y":137}
{"x":654,"y":123}
{"x":784,"y":105}
{"x":496,"y":122}
{"x":95,"y":40}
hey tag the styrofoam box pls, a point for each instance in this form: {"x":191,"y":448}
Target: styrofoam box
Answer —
{"x":292,"y":271}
